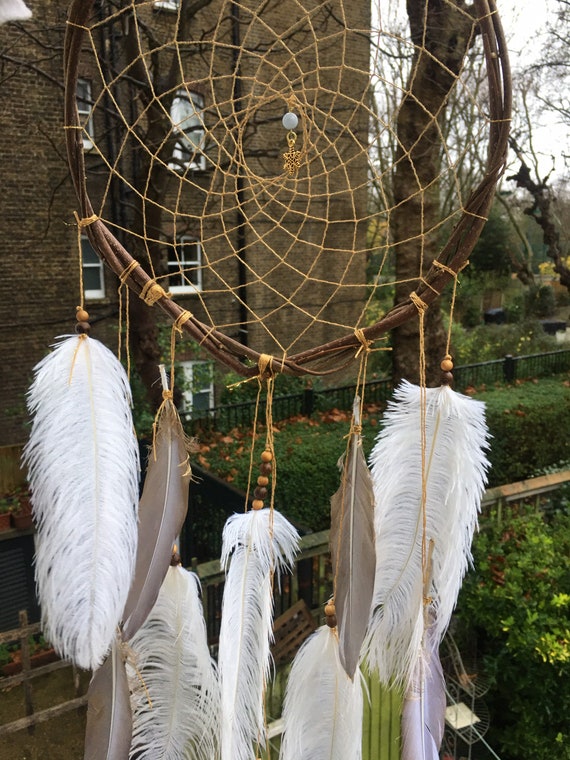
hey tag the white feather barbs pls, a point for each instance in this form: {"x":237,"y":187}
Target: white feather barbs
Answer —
{"x":259,"y":543}
{"x":83,"y":468}
{"x":427,"y":489}
{"x":323,"y":708}
{"x":176,"y":696}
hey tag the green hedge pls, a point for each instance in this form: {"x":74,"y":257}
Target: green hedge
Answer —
{"x":515,"y":607}
{"x":528,"y":423}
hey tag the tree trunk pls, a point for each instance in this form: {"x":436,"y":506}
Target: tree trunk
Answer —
{"x":442,"y":34}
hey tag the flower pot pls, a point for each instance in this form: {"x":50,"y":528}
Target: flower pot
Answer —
{"x":5,"y":522}
{"x":22,"y":521}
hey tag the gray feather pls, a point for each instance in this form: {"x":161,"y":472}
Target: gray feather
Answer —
{"x":353,"y":550}
{"x":109,"y":718}
{"x":162,"y":511}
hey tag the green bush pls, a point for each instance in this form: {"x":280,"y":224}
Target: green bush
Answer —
{"x":525,"y":422}
{"x":516,"y":604}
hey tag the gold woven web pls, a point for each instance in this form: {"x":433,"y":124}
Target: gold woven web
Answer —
{"x":260,"y":239}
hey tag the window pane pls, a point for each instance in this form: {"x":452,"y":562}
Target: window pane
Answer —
{"x":200,"y":401}
{"x":92,"y":278}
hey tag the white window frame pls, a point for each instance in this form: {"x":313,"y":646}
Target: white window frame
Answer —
{"x":188,"y":370}
{"x":85,"y":112}
{"x":178,"y":260}
{"x":187,"y":152}
{"x":166,"y":5}
{"x":92,"y":294}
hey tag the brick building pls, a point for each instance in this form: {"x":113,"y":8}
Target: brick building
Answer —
{"x":198,"y":175}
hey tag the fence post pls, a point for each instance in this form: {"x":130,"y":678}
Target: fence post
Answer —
{"x":509,"y":368}
{"x":308,"y":404}
{"x":26,"y":666}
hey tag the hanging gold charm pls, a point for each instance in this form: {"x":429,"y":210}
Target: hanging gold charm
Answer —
{"x":292,"y":159}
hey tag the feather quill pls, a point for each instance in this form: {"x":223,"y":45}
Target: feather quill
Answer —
{"x":109,"y":718}
{"x":352,"y":549}
{"x":176,"y":697}
{"x":83,"y":466}
{"x":162,"y":510}
{"x":423,"y":713}
{"x":260,"y":543}
{"x":456,"y":438}
{"x":323,"y":707}
{"x":13,"y":10}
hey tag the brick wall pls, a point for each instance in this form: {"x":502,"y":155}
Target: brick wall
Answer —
{"x":39,"y":262}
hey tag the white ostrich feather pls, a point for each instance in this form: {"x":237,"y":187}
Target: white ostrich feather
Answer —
{"x":456,"y":438}
{"x":176,"y":698}
{"x":13,"y":10}
{"x":83,"y":467}
{"x":423,"y":713}
{"x":260,"y":543}
{"x":322,"y":712}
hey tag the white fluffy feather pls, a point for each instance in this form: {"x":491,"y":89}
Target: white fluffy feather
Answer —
{"x":176,"y":697}
{"x":455,"y":469}
{"x":13,"y":10}
{"x":83,"y":466}
{"x":260,"y":543}
{"x":322,"y":712}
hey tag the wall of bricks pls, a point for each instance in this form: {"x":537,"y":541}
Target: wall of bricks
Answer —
{"x":39,"y":261}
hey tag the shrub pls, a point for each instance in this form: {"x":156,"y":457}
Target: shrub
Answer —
{"x":516,"y":602}
{"x":525,"y":422}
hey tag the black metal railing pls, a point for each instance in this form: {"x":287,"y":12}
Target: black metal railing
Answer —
{"x":309,"y":400}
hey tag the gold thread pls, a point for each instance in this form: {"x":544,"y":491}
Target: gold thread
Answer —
{"x":152,"y":292}
{"x":265,"y":365}
{"x":86,"y":221}
{"x":420,"y":305}
{"x":127,"y":271}
{"x":181,"y":319}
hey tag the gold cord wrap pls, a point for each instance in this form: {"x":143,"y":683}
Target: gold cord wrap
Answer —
{"x":167,"y":395}
{"x":127,"y":271}
{"x":153,"y":292}
{"x":265,"y":365}
{"x":86,"y":221}
{"x":364,"y":343}
{"x":181,"y":319}
{"x":420,"y":305}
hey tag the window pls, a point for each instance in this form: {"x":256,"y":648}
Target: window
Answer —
{"x":93,"y":273}
{"x":198,"y":393}
{"x":186,"y":117}
{"x":85,"y":111}
{"x":185,"y":266}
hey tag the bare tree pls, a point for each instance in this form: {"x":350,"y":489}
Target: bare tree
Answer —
{"x":442,"y":33}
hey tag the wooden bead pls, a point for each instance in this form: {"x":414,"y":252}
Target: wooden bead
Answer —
{"x":331,"y":621}
{"x":265,"y":468}
{"x":262,"y":480}
{"x":330,"y":609}
{"x":446,"y":365}
{"x":260,"y":493}
{"x":266,"y":456}
{"x":447,"y":378}
{"x":257,"y":504}
{"x":82,"y":327}
{"x":81,"y":315}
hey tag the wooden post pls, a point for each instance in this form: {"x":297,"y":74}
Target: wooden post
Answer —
{"x":26,"y":667}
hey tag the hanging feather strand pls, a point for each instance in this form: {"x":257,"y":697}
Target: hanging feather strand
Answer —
{"x":109,"y":718}
{"x":451,"y":484}
{"x":176,"y":695}
{"x":260,"y":543}
{"x":83,"y":466}
{"x":423,"y":713}
{"x":323,"y":708}
{"x":162,"y":511}
{"x":352,"y":548}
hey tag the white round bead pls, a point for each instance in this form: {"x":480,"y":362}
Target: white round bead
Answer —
{"x":290,"y":120}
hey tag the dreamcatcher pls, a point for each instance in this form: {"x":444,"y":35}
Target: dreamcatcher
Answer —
{"x":232,"y":173}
